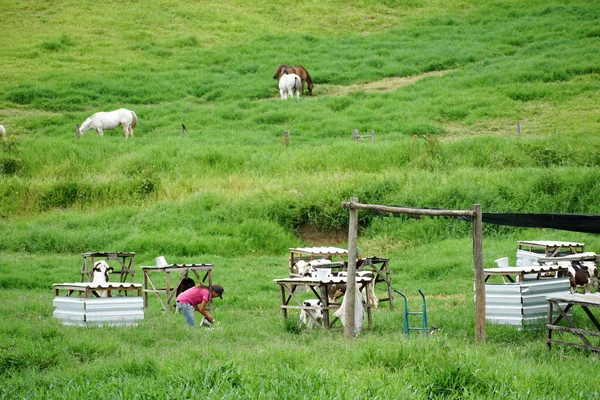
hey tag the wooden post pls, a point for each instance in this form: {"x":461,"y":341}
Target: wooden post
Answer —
{"x":372,"y":137}
{"x":518,"y":128}
{"x":77,"y":135}
{"x":351,"y":283}
{"x":286,"y":138}
{"x":183,"y":130}
{"x":479,"y":275}
{"x":355,"y":135}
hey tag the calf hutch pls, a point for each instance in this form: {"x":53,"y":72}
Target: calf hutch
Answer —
{"x":335,"y":259}
{"x":123,"y":261}
{"x":99,"y":300}
{"x":541,"y":272}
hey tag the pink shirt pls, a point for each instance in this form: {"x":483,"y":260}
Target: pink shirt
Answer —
{"x":194,"y":296}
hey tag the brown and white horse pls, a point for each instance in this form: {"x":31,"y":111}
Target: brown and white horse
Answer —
{"x":298,"y":70}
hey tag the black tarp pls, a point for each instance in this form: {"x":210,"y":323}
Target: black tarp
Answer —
{"x":568,"y":222}
{"x":587,"y":223}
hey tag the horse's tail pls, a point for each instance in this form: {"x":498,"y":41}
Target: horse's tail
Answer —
{"x":297,"y":83}
{"x":134,"y":119}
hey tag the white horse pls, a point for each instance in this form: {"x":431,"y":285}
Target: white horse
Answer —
{"x":288,"y":84}
{"x":2,"y":131}
{"x":110,"y":120}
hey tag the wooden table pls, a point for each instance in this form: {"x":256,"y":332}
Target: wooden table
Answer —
{"x":319,"y":287}
{"x":166,"y":294}
{"x":88,"y":288}
{"x":520,"y":272}
{"x":585,"y":301}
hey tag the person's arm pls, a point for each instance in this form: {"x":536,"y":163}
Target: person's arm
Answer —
{"x":202,"y":310}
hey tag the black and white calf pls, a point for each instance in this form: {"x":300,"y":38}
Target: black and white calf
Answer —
{"x":583,"y":275}
{"x":101,"y":272}
{"x":101,"y":275}
{"x":311,"y":316}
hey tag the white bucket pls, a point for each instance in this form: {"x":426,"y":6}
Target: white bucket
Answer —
{"x":161,"y":262}
{"x":323,"y":273}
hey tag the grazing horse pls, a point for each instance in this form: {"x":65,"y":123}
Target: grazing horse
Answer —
{"x":288,"y":84}
{"x":298,"y":70}
{"x":110,"y":120}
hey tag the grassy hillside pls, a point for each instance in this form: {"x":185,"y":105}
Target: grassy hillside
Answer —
{"x":442,"y":83}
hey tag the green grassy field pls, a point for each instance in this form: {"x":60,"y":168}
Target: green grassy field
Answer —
{"x":442,"y":83}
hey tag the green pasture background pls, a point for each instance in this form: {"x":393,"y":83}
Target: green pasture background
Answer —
{"x":442,"y":83}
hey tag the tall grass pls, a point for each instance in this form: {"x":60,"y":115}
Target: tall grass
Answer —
{"x":232,"y":194}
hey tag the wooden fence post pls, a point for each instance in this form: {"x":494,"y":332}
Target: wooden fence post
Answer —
{"x":77,"y":131}
{"x":183,"y":130}
{"x":372,"y":137}
{"x":350,"y":295}
{"x":479,"y":275}
{"x":355,"y":135}
{"x":518,"y":128}
{"x":286,"y":138}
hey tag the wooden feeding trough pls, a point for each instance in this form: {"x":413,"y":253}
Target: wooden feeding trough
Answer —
{"x":125,"y":262}
{"x":339,"y":260}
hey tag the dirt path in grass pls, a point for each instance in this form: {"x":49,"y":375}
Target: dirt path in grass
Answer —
{"x":383,"y":85}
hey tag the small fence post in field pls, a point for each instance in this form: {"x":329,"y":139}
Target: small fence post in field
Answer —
{"x":518,"y":128}
{"x":286,"y":138}
{"x":77,"y":131}
{"x":358,"y":137}
{"x":183,"y":130}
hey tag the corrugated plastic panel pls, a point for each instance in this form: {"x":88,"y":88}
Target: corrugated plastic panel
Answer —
{"x":522,"y":303}
{"x":319,"y":250}
{"x":99,"y":311}
{"x":551,"y":243}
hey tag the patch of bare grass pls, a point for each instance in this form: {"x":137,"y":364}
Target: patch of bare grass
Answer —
{"x":380,"y":86}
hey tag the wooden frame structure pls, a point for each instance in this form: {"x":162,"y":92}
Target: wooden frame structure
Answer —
{"x":519,"y":272}
{"x":550,"y":248}
{"x":166,"y":294}
{"x":126,"y":260}
{"x":476,"y":217}
{"x":585,"y":301}
{"x":379,"y":266}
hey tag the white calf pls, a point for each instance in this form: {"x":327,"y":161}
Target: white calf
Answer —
{"x":311,"y":316}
